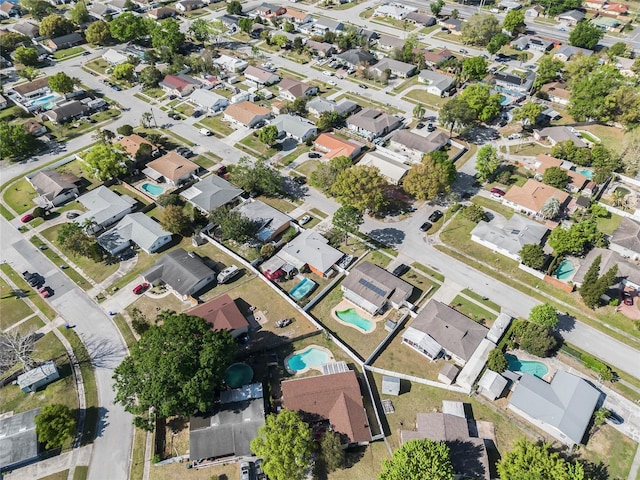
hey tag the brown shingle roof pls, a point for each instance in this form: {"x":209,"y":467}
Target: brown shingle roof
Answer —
{"x":172,"y":166}
{"x":25,"y":88}
{"x":222,"y":313}
{"x":533,"y":195}
{"x":131,"y":144}
{"x":245,"y":112}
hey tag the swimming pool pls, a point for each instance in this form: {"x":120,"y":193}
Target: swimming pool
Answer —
{"x":525,"y":366}
{"x":309,"y":357}
{"x":302,"y":289}
{"x":565,"y":270}
{"x":586,"y":173}
{"x":152,"y":189}
{"x":238,"y":374}
{"x":47,"y":99}
{"x":351,"y":317}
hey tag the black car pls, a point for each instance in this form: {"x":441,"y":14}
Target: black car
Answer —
{"x":420,"y":125}
{"x":175,"y":116}
{"x":314,"y":155}
{"x":363,"y":86}
{"x":431,"y":127}
{"x":400,"y":270}
{"x":300,"y":180}
{"x":435,"y":216}
{"x":614,"y":418}
{"x":425,"y":226}
{"x":197,"y":113}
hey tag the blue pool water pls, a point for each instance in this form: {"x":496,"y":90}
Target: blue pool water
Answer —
{"x":44,"y":100}
{"x":351,"y":316}
{"x":238,"y":375}
{"x":152,"y":189}
{"x":586,"y":173}
{"x":524,"y":366}
{"x":565,"y":270}
{"x":309,"y":357}
{"x":302,"y":289}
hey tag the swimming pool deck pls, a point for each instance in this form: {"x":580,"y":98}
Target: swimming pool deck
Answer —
{"x":552,"y":366}
{"x":345,"y":305}
{"x":314,"y":367}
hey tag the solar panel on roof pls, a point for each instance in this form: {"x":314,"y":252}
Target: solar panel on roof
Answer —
{"x":371,"y":286}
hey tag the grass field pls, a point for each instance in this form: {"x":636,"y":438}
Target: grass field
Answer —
{"x":217,"y":125}
{"x":61,"y":55}
{"x":80,"y":472}
{"x":39,"y":302}
{"x":472,"y":310}
{"x":481,"y":299}
{"x":69,"y":272}
{"x":19,"y":196}
{"x":13,"y":308}
{"x":426,"y":98}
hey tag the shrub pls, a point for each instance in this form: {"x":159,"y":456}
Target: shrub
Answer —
{"x":497,"y":361}
{"x":125,"y":130}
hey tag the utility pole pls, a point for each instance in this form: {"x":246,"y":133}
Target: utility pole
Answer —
{"x":154,"y":118}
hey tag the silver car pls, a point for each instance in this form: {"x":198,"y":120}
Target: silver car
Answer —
{"x":245,"y":471}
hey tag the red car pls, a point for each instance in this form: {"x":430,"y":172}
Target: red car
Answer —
{"x":140,"y":289}
{"x":45,"y":292}
{"x":27,"y":218}
{"x":627,"y":299}
{"x":497,"y":191}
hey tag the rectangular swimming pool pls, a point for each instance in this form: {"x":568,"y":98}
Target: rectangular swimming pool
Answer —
{"x":302,"y":289}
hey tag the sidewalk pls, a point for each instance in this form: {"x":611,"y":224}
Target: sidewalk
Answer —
{"x":66,"y":461}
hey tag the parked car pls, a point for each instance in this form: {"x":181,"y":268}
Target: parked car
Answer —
{"x":462,"y":50}
{"x":205,"y":132}
{"x":345,"y":261}
{"x":27,"y":218}
{"x":85,"y":53}
{"x":431,"y":127}
{"x":435,"y":216}
{"x":420,"y":126}
{"x":45,"y":292}
{"x":400,"y":270}
{"x":627,"y":299}
{"x":304,"y":220}
{"x":197,"y":113}
{"x":614,"y":418}
{"x":228,"y":274}
{"x":283,"y":322}
{"x":497,"y":191}
{"x":425,"y":226}
{"x":514,"y":136}
{"x":332,"y":83}
{"x":327,"y":73}
{"x":260,"y":475}
{"x":175,"y":116}
{"x":72,"y":215}
{"x":116,"y":88}
{"x":222,"y":169}
{"x":141,"y":288}
{"x":363,"y":86}
{"x":245,"y":471}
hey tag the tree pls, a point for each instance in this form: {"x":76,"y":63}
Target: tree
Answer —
{"x":61,"y":83}
{"x":200,"y":30}
{"x":329,"y":120}
{"x":480,"y":29}
{"x":514,"y":22}
{"x":27,"y":56}
{"x":556,"y":177}
{"x":528,"y":113}
{"x":104,"y":136}
{"x":593,"y":287}
{"x":245,"y":24}
{"x":280,"y":40}
{"x":299,"y":106}
{"x":419,"y":460}
{"x":605,"y":162}
{"x":549,"y":70}
{"x":457,"y":114}
{"x":9,"y":41}
{"x":429,"y":179}
{"x":284,"y":442}
{"x":258,"y":177}
{"x":234,"y":8}
{"x":38,"y":8}
{"x":15,"y":141}
{"x":28,"y":73}
{"x":166,"y":199}
{"x":167,"y":36}
{"x":79,"y":13}
{"x":232,"y":224}
{"x":98,"y":33}
{"x":497,"y":42}
{"x":54,"y":425}
{"x":479,"y":98}
{"x":590,"y":94}
{"x":124,"y":71}
{"x":418,"y":111}
{"x":127,"y":27}
{"x":473,"y":213}
{"x":532,"y":255}
{"x":528,"y":457}
{"x":474,"y":68}
{"x":324,"y":176}
{"x":544,"y":314}
{"x":536,"y":339}
{"x":618,"y":49}
{"x":436,"y":7}
{"x":17,"y":348}
{"x":150,"y":76}
{"x":331,"y":453}
{"x":487,"y":162}
{"x":174,"y":219}
{"x":105,"y":162}
{"x":73,"y":237}
{"x":550,"y":208}
{"x":497,"y":361}
{"x":635,"y":68}
{"x":55,"y":26}
{"x":347,"y":219}
{"x":585,"y":35}
{"x":174,"y":367}
{"x":556,"y":8}
{"x":577,"y":238}
{"x":455,"y":13}
{"x":125,"y":130}
{"x":268,"y":135}
{"x":361,"y":186}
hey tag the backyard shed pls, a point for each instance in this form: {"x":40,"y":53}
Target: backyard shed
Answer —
{"x":492,"y":385}
{"x":448,"y":373}
{"x":38,"y":377}
{"x":390,"y":385}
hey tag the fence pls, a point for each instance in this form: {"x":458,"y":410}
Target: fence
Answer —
{"x":412,"y":378}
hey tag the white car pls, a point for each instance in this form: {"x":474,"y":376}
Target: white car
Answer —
{"x":514,"y":136}
{"x":332,"y":83}
{"x":305,"y":219}
{"x":327,"y":73}
{"x":205,"y":132}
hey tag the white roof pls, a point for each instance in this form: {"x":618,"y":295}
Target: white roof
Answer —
{"x":135,"y":227}
{"x":207,"y":99}
{"x":423,"y":340}
{"x":103,"y":204}
{"x":389,"y":168}
{"x":114,"y":57}
{"x":492,"y":384}
{"x":310,"y":248}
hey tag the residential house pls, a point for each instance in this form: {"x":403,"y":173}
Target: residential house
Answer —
{"x":492,"y":385}
{"x":557,"y":92}
{"x":532,"y":43}
{"x":103,"y":207}
{"x":161,"y":12}
{"x":595,"y":4}
{"x":576,"y":180}
{"x":616,"y":9}
{"x":371,"y":123}
{"x":210,"y":193}
{"x":396,"y":11}
{"x":334,"y":397}
{"x":132,"y":143}
{"x":562,"y":408}
{"x":395,"y":67}
{"x":312,"y":250}
{"x":439,"y":328}
{"x":28,"y":29}
{"x":324,"y":25}
{"x":388,"y":42}
{"x":230,"y":22}
{"x":436,"y":83}
{"x":183,"y":273}
{"x":558,"y":134}
{"x":510,"y":238}
{"x":67,"y":111}
{"x":271,"y":222}
{"x":433,"y":58}
{"x":181,"y":85}
{"x":119,"y":6}
{"x":135,"y":228}
{"x":296,"y":16}
{"x":626,"y":239}
{"x":374,"y":289}
{"x":421,"y":19}
{"x":571,"y":18}
{"x":246,"y":113}
{"x":509,"y":81}
{"x":355,"y":58}
{"x":18,"y":439}
{"x":260,"y":75}
{"x":184,"y":6}
{"x":454,"y":25}
{"x":228,"y":428}
{"x":391,"y":169}
{"x":268,"y":10}
{"x":534,"y":11}
{"x":31,"y":380}
{"x":231,"y":64}
{"x":114,"y":57}
{"x":54,"y":188}
{"x":99,"y":10}
{"x":628,"y":273}
{"x":625,"y":66}
{"x":34,"y":128}
{"x":65,"y":41}
{"x":567,"y":52}
{"x":33,"y":89}
{"x":209,"y":101}
{"x":171,"y":168}
{"x":10,"y":10}
{"x":319,"y":105}
{"x":298,"y":128}
{"x":334,"y":146}
{"x":415,"y":146}
{"x":322,"y":49}
{"x":531,"y":197}
{"x":222,"y":313}
{"x":291,"y":89}
{"x":4,"y":103}
{"x":508,"y":5}
{"x":607,"y":24}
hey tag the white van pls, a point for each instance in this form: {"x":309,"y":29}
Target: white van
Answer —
{"x":205,"y":132}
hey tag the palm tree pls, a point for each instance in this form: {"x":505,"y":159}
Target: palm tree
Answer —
{"x":618,"y":198}
{"x":418,"y":111}
{"x":145,"y":119}
{"x":551,"y":208}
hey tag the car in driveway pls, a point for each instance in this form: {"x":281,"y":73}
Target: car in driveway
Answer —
{"x":314,"y":155}
{"x":205,"y":132}
{"x":260,"y":475}
{"x":304,"y":220}
{"x":420,"y":126}
{"x":116,"y":88}
{"x":425,"y":226}
{"x":175,"y":116}
{"x":27,"y":218}
{"x":332,"y":83}
{"x":72,"y":215}
{"x":245,"y":471}
{"x":614,"y":418}
{"x":435,"y":216}
{"x":497,"y":191}
{"x":45,"y":292}
{"x":627,"y":298}
{"x":431,"y":127}
{"x":141,"y":288}
{"x":400,"y":270}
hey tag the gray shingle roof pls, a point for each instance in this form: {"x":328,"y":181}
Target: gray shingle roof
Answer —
{"x":181,"y":270}
{"x":627,"y":235}
{"x":211,"y":193}
{"x":438,"y":80}
{"x":310,"y":248}
{"x":514,"y":235}
{"x":356,"y":56}
{"x":51,"y":183}
{"x":433,"y":141}
{"x":376,"y":284}
{"x":374,"y":121}
{"x":609,"y":258}
{"x":269,"y":218}
{"x":18,"y":439}
{"x":103,"y":204}
{"x":135,"y":227}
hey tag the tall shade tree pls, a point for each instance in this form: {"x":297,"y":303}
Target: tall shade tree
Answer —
{"x":532,"y":255}
{"x":232,"y":224}
{"x":556,"y":177}
{"x":124,"y":71}
{"x":27,"y":56}
{"x":38,"y":8}
{"x":127,"y":27}
{"x":61,"y":83}
{"x":79,"y":13}
{"x":150,"y":76}
{"x":201,"y":30}
{"x":29,"y":73}
{"x":268,"y":135}
{"x":347,"y":219}
{"x":456,"y":114}
{"x":284,"y":442}
{"x":419,"y":460}
{"x":544,"y":314}
{"x":529,"y":460}
{"x":514,"y":21}
{"x":55,"y":26}
{"x":332,"y":454}
{"x":234,"y":7}
{"x":480,"y":29}
{"x":73,"y":237}
{"x":497,"y":361}
{"x":98,"y":33}
{"x":585,"y":35}
{"x":55,"y":424}
{"x":590,"y":95}
{"x":15,"y":141}
{"x":479,"y":98}
{"x":474,"y":68}
{"x":105,"y":162}
{"x":257,"y":177}
{"x":167,"y":36}
{"x":487,"y":162}
{"x":497,"y":42}
{"x":325,"y":174}
{"x":528,"y":113}
{"x":429,"y":179}
{"x":9,"y":41}
{"x":174,"y":219}
{"x":174,"y":367}
{"x":549,"y":70}
{"x":362,"y":187}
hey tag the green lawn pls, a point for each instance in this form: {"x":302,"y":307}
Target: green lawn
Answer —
{"x":481,"y":299}
{"x":410,"y":82}
{"x":217,"y":125}
{"x":99,"y":65}
{"x":432,"y":273}
{"x":69,"y":272}
{"x":529,"y":149}
{"x":154,"y":92}
{"x":299,"y":150}
{"x":426,"y":98}
{"x":493,"y":205}
{"x":255,"y":146}
{"x":56,"y":476}
{"x":13,"y":308}
{"x":20,"y":195}
{"x":39,"y":302}
{"x":378,"y":258}
{"x":61,"y":55}
{"x":137,"y":457}
{"x":80,"y":473}
{"x":185,"y":109}
{"x":307,"y":167}
{"x":125,"y":330}
{"x":472,"y":310}
{"x":203,"y":161}
{"x":609,"y":225}
{"x":368,"y":103}
{"x":281,"y":204}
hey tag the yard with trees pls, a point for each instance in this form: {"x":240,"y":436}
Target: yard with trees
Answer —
{"x":419,"y":460}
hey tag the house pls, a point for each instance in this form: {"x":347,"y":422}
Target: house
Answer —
{"x":291,"y":89}
{"x":371,"y":123}
{"x":616,"y":9}
{"x":355,"y":58}
{"x":114,"y":57}
{"x":558,"y":134}
{"x":334,"y":146}
{"x":557,"y":92}
{"x":67,"y":111}
{"x":391,"y":169}
{"x":393,"y":10}
{"x":571,"y":18}
{"x":312,"y":250}
{"x":210,"y":193}
{"x":298,"y":128}
{"x":576,"y":180}
{"x":271,"y":222}
{"x":509,"y":5}
{"x":436,"y":83}
{"x":510,"y":238}
{"x":415,"y":146}
{"x":103,"y":207}
{"x":456,"y":334}
{"x":562,"y":408}
{"x":296,"y":16}
{"x":34,"y":128}
{"x":373,"y":288}
{"x":18,"y":439}
{"x":184,"y":273}
{"x":324,"y":25}
{"x":454,"y":25}
{"x":171,"y":168}
{"x":319,"y":105}
{"x":566,"y":52}
{"x":180,"y":84}
{"x":628,"y":272}
{"x":534,"y":11}
{"x":322,"y":49}
{"x":268,"y":10}
{"x":334,"y":397}
{"x":28,"y":29}
{"x":222,"y":313}
{"x":184,"y":6}
{"x":626,"y":239}
{"x":397,"y":68}
{"x":208,"y":100}
{"x":135,"y":228}
{"x":260,"y":75}
{"x":595,"y":4}
{"x":516,"y":83}
{"x":531,"y":197}
{"x":432,"y":59}
{"x":100,"y":10}
{"x":65,"y":41}
{"x":607,"y":24}
{"x":132,"y":143}
{"x":9,"y":9}
{"x":491,"y":385}
{"x":29,"y":90}
{"x":54,"y":188}
{"x":387,"y":42}
{"x":231,"y":64}
{"x":625,"y":66}
{"x":230,"y":22}
{"x":161,"y":12}
{"x":420,"y":18}
{"x":227,"y":430}
{"x":32,"y":380}
{"x":246,"y":113}
{"x":119,"y":6}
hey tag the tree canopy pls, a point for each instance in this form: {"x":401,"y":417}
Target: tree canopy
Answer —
{"x":474,"y":68}
{"x":576,"y":239}
{"x":544,"y":314}
{"x":234,"y":7}
{"x":55,"y":26}
{"x":232,"y":224}
{"x":98,"y":33}
{"x":174,"y":219}
{"x":15,"y":141}
{"x":124,"y":71}
{"x":532,"y":255}
{"x":432,"y":177}
{"x":479,"y":98}
{"x":487,"y":162}
{"x":528,"y":113}
{"x":105,"y":162}
{"x":549,"y":69}
{"x":61,"y":83}
{"x":54,"y":425}
{"x":127,"y":27}
{"x":27,"y":56}
{"x":167,"y":36}
{"x":268,"y":135}
{"x":347,"y":219}
{"x":585,"y":35}
{"x":74,"y":238}
{"x":480,"y":29}
{"x":150,"y":76}
{"x":362,"y":187}
{"x":456,"y":114}
{"x":79,"y":13}
{"x":514,"y":21}
{"x":325,"y":174}
{"x":536,"y":460}
{"x":497,"y":42}
{"x":497,"y":361}
{"x":594,"y":286}
{"x":257,"y":177}
{"x":591,"y":94}
{"x":556,"y":177}
{"x":419,"y":460}
{"x":174,"y":367}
